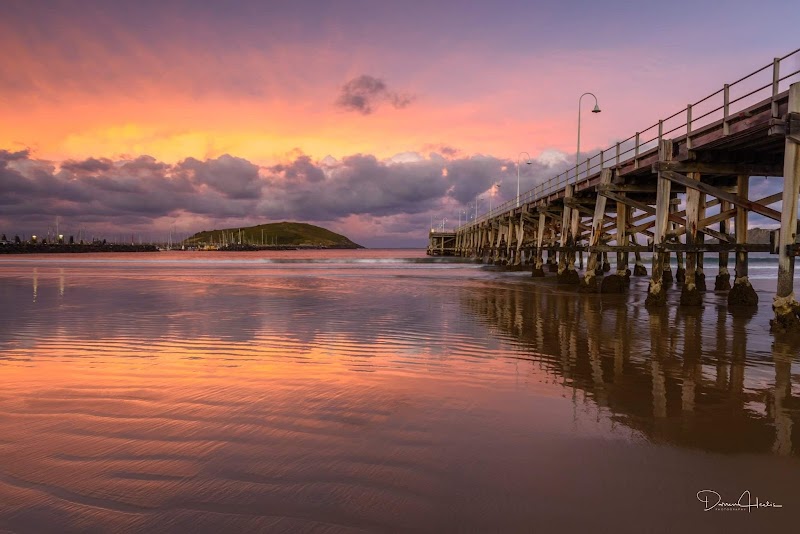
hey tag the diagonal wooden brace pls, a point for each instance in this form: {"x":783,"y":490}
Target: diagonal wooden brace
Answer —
{"x":722,"y":195}
{"x":672,"y":217}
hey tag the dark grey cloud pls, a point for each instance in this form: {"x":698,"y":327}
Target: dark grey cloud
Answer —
{"x":365,"y":93}
{"x":236,"y":178}
{"x":90,"y":165}
{"x":302,"y":169}
{"x":6,"y":155}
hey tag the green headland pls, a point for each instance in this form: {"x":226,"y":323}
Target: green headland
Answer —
{"x":282,"y":234}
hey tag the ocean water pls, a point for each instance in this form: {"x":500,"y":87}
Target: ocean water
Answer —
{"x":382,"y":391}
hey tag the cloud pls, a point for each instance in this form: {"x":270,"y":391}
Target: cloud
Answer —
{"x":236,"y":178}
{"x":5,"y":155}
{"x":90,"y":165}
{"x":377,"y":202}
{"x":365,"y":93}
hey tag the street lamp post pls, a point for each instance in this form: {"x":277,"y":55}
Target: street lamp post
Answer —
{"x":578,"y":151}
{"x":528,"y":162}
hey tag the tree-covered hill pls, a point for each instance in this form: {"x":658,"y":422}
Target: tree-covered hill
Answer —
{"x":284,"y":234}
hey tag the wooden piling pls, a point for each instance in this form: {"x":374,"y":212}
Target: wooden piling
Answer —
{"x":723,"y":281}
{"x":569,"y":229}
{"x":742,"y":292}
{"x":565,"y":223}
{"x":538,"y":268}
{"x":622,"y":239}
{"x":666,"y":276}
{"x":589,"y":282}
{"x":657,"y":294}
{"x":638,"y":267}
{"x":700,"y":274}
{"x":520,"y":239}
{"x":680,"y":270}
{"x":690,"y":295}
{"x":786,"y":308}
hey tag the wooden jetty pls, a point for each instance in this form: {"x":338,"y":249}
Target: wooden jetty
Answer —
{"x":441,"y":243}
{"x":680,"y":186}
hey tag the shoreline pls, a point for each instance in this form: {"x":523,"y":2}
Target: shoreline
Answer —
{"x":28,"y":248}
{"x":54,"y":248}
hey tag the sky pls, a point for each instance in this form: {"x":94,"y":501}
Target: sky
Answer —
{"x":369,"y":118}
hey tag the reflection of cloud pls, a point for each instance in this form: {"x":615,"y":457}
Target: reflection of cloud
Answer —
{"x":302,"y":308}
{"x":364,"y":93}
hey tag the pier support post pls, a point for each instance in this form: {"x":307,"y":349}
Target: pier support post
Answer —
{"x":723,"y":281}
{"x":494,"y":239}
{"x":638,"y":267}
{"x":509,"y":250}
{"x":499,"y":248}
{"x":666,"y":277}
{"x":486,"y":244}
{"x":786,"y":308}
{"x":566,"y":263}
{"x":573,"y":240}
{"x":700,"y":274}
{"x":742,"y":292}
{"x":690,"y":294}
{"x":656,"y":292}
{"x":564,"y":231}
{"x":552,"y":266}
{"x":680,"y":270}
{"x":618,"y":282}
{"x":538,"y":268}
{"x":589,"y":282}
{"x":622,"y":239}
{"x":520,"y":238}
{"x":473,"y":243}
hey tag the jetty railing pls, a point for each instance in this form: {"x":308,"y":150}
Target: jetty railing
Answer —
{"x":735,"y":97}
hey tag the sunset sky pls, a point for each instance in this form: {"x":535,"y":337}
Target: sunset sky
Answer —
{"x":369,"y":118}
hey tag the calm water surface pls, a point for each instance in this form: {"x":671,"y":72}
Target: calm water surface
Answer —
{"x":374,"y":391}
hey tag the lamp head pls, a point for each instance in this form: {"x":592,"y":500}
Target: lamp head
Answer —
{"x":596,"y":109}
{"x":529,"y":162}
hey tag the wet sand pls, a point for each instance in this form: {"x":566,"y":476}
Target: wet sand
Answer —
{"x":375,"y":395}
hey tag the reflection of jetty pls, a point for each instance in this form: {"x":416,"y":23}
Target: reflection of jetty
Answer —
{"x":665,"y":190}
{"x":690,"y":379}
